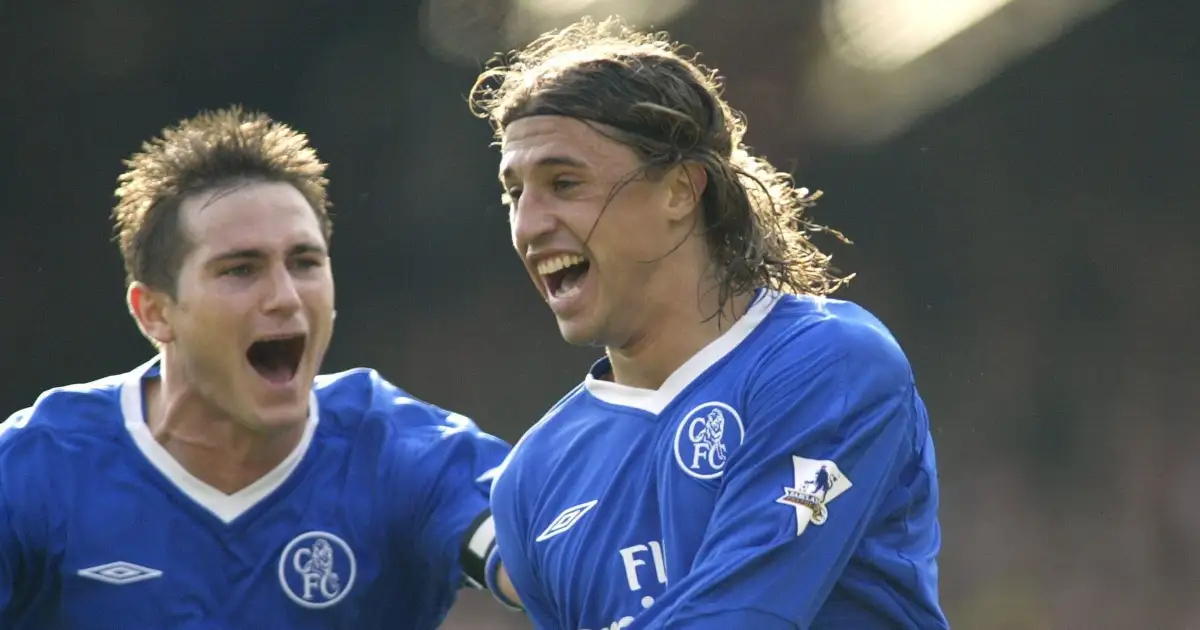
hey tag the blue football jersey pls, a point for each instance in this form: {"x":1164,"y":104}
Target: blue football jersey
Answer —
{"x":360,"y":527}
{"x":782,"y":478}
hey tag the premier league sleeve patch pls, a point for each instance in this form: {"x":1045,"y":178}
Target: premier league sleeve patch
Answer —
{"x":817,"y":482}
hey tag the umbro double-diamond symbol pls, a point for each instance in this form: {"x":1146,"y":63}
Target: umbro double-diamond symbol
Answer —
{"x":567,"y":519}
{"x":120,"y":573}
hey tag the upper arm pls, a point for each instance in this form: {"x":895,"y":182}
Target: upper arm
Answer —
{"x":458,"y":466}
{"x":828,"y":427}
{"x":10,"y":553}
{"x":512,"y":540}
{"x":20,"y":541}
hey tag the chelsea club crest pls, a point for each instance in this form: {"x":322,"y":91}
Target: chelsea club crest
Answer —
{"x":317,"y":569}
{"x":705,"y":439}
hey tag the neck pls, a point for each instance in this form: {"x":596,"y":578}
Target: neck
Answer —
{"x":676,"y":331}
{"x":207,"y":442}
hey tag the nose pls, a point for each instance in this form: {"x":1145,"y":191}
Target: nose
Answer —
{"x":282,"y":296}
{"x":531,"y":220}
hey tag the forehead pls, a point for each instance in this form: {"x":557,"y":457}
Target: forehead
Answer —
{"x":537,"y":141}
{"x":250,"y":215}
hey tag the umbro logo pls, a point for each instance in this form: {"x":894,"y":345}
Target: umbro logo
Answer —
{"x":120,"y":573}
{"x":567,"y":520}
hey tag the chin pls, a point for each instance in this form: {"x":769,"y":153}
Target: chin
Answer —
{"x":282,"y":410}
{"x":578,"y":333}
{"x":282,"y":417}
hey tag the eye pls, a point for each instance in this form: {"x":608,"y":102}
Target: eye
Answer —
{"x":308,"y":263}
{"x":562,"y":184}
{"x":510,"y":196}
{"x":240,"y":271}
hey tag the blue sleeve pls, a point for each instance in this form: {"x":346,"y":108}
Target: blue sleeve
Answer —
{"x":11,"y":555}
{"x":11,"y":560}
{"x":513,"y":545}
{"x":19,"y":539}
{"x":830,"y":421}
{"x":457,"y":466}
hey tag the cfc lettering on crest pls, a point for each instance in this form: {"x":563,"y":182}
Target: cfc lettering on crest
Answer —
{"x":705,"y":439}
{"x":317,"y":569}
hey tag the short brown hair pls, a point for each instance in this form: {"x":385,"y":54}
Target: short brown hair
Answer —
{"x":210,"y":150}
{"x":668,"y":108}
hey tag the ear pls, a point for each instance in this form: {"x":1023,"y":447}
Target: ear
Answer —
{"x":685,"y":183}
{"x":150,"y":309}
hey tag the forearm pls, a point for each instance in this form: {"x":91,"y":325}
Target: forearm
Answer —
{"x":505,"y":586}
{"x":499,"y":583}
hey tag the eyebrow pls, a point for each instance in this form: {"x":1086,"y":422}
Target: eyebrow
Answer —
{"x":550,"y":160}
{"x":253,"y":253}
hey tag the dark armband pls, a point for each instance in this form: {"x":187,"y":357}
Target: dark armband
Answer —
{"x":481,"y":559}
{"x":478,"y":543}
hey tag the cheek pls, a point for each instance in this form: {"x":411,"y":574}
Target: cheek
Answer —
{"x":212,"y":327}
{"x":213,"y":318}
{"x":319,"y":300}
{"x":207,"y":339}
{"x":628,"y":233}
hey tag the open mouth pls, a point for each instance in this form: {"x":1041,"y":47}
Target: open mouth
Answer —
{"x":564,"y":274}
{"x":277,"y":359}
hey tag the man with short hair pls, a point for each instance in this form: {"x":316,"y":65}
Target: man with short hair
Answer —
{"x":224,"y":484}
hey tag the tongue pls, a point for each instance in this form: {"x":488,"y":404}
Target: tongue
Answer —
{"x":572,"y":279}
{"x":275,"y":371}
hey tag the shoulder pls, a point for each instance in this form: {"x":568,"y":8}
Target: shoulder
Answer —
{"x":85,"y":410}
{"x":59,"y":430}
{"x":364,"y":403}
{"x":538,"y":447}
{"x":828,"y":363}
{"x":356,"y":397}
{"x":365,"y":398}
{"x":811,"y":336}
{"x":554,"y":420}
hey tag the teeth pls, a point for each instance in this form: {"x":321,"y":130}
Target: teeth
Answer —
{"x":562,"y":261}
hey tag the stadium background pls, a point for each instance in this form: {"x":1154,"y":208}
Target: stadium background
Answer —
{"x":1019,"y":178}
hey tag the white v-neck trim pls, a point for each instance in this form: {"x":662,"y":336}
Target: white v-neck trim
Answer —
{"x":655,"y":400}
{"x":225,"y":507}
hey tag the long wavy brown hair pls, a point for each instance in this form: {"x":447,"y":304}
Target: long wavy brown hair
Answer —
{"x":668,"y":107}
